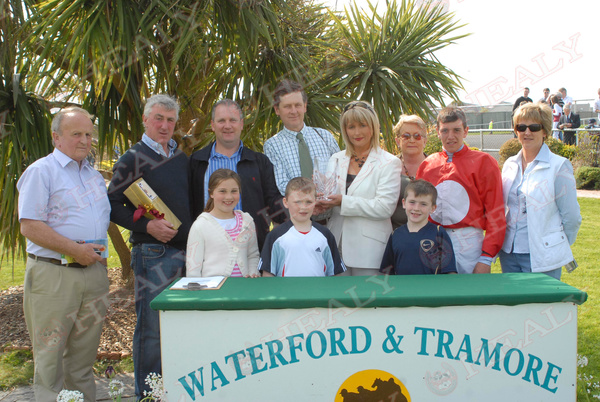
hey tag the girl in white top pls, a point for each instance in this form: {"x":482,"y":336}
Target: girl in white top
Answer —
{"x":222,"y":241}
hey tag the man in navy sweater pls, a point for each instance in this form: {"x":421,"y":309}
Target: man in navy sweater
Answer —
{"x":158,"y":253}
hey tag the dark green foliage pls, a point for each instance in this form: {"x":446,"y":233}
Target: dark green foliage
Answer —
{"x":560,"y":148}
{"x":110,"y":56}
{"x":24,"y":124}
{"x":587,"y":153}
{"x":588,"y":178}
{"x":508,"y":149}
{"x":433,"y":144}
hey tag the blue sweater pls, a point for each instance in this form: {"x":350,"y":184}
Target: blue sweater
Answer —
{"x":168,"y":177}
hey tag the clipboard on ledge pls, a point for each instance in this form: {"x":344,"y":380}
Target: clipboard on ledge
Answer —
{"x":206,"y":283}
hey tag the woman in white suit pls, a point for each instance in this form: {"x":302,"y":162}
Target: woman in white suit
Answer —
{"x":368,"y":189}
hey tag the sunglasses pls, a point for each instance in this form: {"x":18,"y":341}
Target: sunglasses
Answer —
{"x":363,"y":105}
{"x":406,"y":136}
{"x":534,"y":128}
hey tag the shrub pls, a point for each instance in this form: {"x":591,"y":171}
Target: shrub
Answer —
{"x":587,"y":152}
{"x":569,"y":152}
{"x":433,"y":144}
{"x":559,"y":148}
{"x":588,"y":178}
{"x":508,"y":149}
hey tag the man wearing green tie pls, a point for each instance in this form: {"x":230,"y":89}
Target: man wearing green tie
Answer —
{"x":297,"y":149}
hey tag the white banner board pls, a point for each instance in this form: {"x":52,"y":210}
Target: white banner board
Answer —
{"x":462,"y":353}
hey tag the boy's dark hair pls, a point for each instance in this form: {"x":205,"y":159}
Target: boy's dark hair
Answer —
{"x":286,"y":87}
{"x":421,"y":187}
{"x":451,"y":114}
{"x":300,"y":184}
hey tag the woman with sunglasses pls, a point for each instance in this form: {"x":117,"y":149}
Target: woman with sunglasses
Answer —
{"x":542,"y":213}
{"x":368,"y":184}
{"x":411,"y":135}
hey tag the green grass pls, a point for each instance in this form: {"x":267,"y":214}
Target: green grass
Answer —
{"x":16,"y":368}
{"x":587,"y":278}
{"x":120,"y":366}
{"x":8,"y":277}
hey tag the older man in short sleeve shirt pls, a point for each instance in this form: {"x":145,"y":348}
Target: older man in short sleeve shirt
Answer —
{"x":64,"y":211}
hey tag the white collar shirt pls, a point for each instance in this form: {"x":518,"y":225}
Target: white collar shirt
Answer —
{"x":158,"y":148}
{"x":69,"y":198}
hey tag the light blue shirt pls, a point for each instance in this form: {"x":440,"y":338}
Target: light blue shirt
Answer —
{"x":451,"y":154}
{"x":158,"y":148}
{"x":220,"y":161}
{"x":516,"y":218}
{"x":70,"y":199}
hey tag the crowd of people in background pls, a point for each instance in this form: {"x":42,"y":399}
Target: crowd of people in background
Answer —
{"x":565,"y":120}
{"x":247,"y":214}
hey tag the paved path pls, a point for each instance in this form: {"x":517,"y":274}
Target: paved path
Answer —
{"x":25,"y":394}
{"x":588,"y":193}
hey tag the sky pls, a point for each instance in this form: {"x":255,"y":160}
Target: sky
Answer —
{"x":521,"y":43}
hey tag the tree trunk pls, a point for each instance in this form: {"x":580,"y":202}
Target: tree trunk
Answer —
{"x":123,"y":252}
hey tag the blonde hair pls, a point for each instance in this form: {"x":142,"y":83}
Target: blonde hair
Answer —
{"x":410,"y":119}
{"x":301,"y":184}
{"x":538,"y":112}
{"x":360,"y":112}
{"x":219,"y":176}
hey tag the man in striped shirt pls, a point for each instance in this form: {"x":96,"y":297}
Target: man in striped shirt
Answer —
{"x":283,"y":148}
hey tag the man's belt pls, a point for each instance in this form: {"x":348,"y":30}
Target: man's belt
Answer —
{"x":55,"y":261}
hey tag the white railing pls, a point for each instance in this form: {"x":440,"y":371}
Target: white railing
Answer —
{"x":490,"y":140}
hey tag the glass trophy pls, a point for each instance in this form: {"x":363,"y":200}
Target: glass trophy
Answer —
{"x":325,"y":183}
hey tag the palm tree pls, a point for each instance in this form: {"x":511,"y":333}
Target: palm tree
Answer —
{"x":24,"y":124}
{"x":389,"y":60}
{"x":110,"y":55}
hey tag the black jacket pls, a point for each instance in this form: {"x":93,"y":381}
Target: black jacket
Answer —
{"x":168,"y":177}
{"x":260,"y":196}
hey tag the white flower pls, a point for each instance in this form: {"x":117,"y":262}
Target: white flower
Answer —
{"x":115,"y":388}
{"x":582,"y":361}
{"x":155,"y":382}
{"x":69,"y":396}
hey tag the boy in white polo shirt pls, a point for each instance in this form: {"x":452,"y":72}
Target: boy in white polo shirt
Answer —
{"x":300,"y":247}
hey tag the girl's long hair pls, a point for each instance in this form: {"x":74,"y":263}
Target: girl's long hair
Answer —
{"x":217,"y":178}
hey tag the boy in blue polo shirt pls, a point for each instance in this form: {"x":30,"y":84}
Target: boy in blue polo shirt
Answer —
{"x":419,"y":247}
{"x":300,"y":247}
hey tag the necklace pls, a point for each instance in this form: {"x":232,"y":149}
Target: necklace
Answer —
{"x":360,"y":161}
{"x":411,"y":178}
